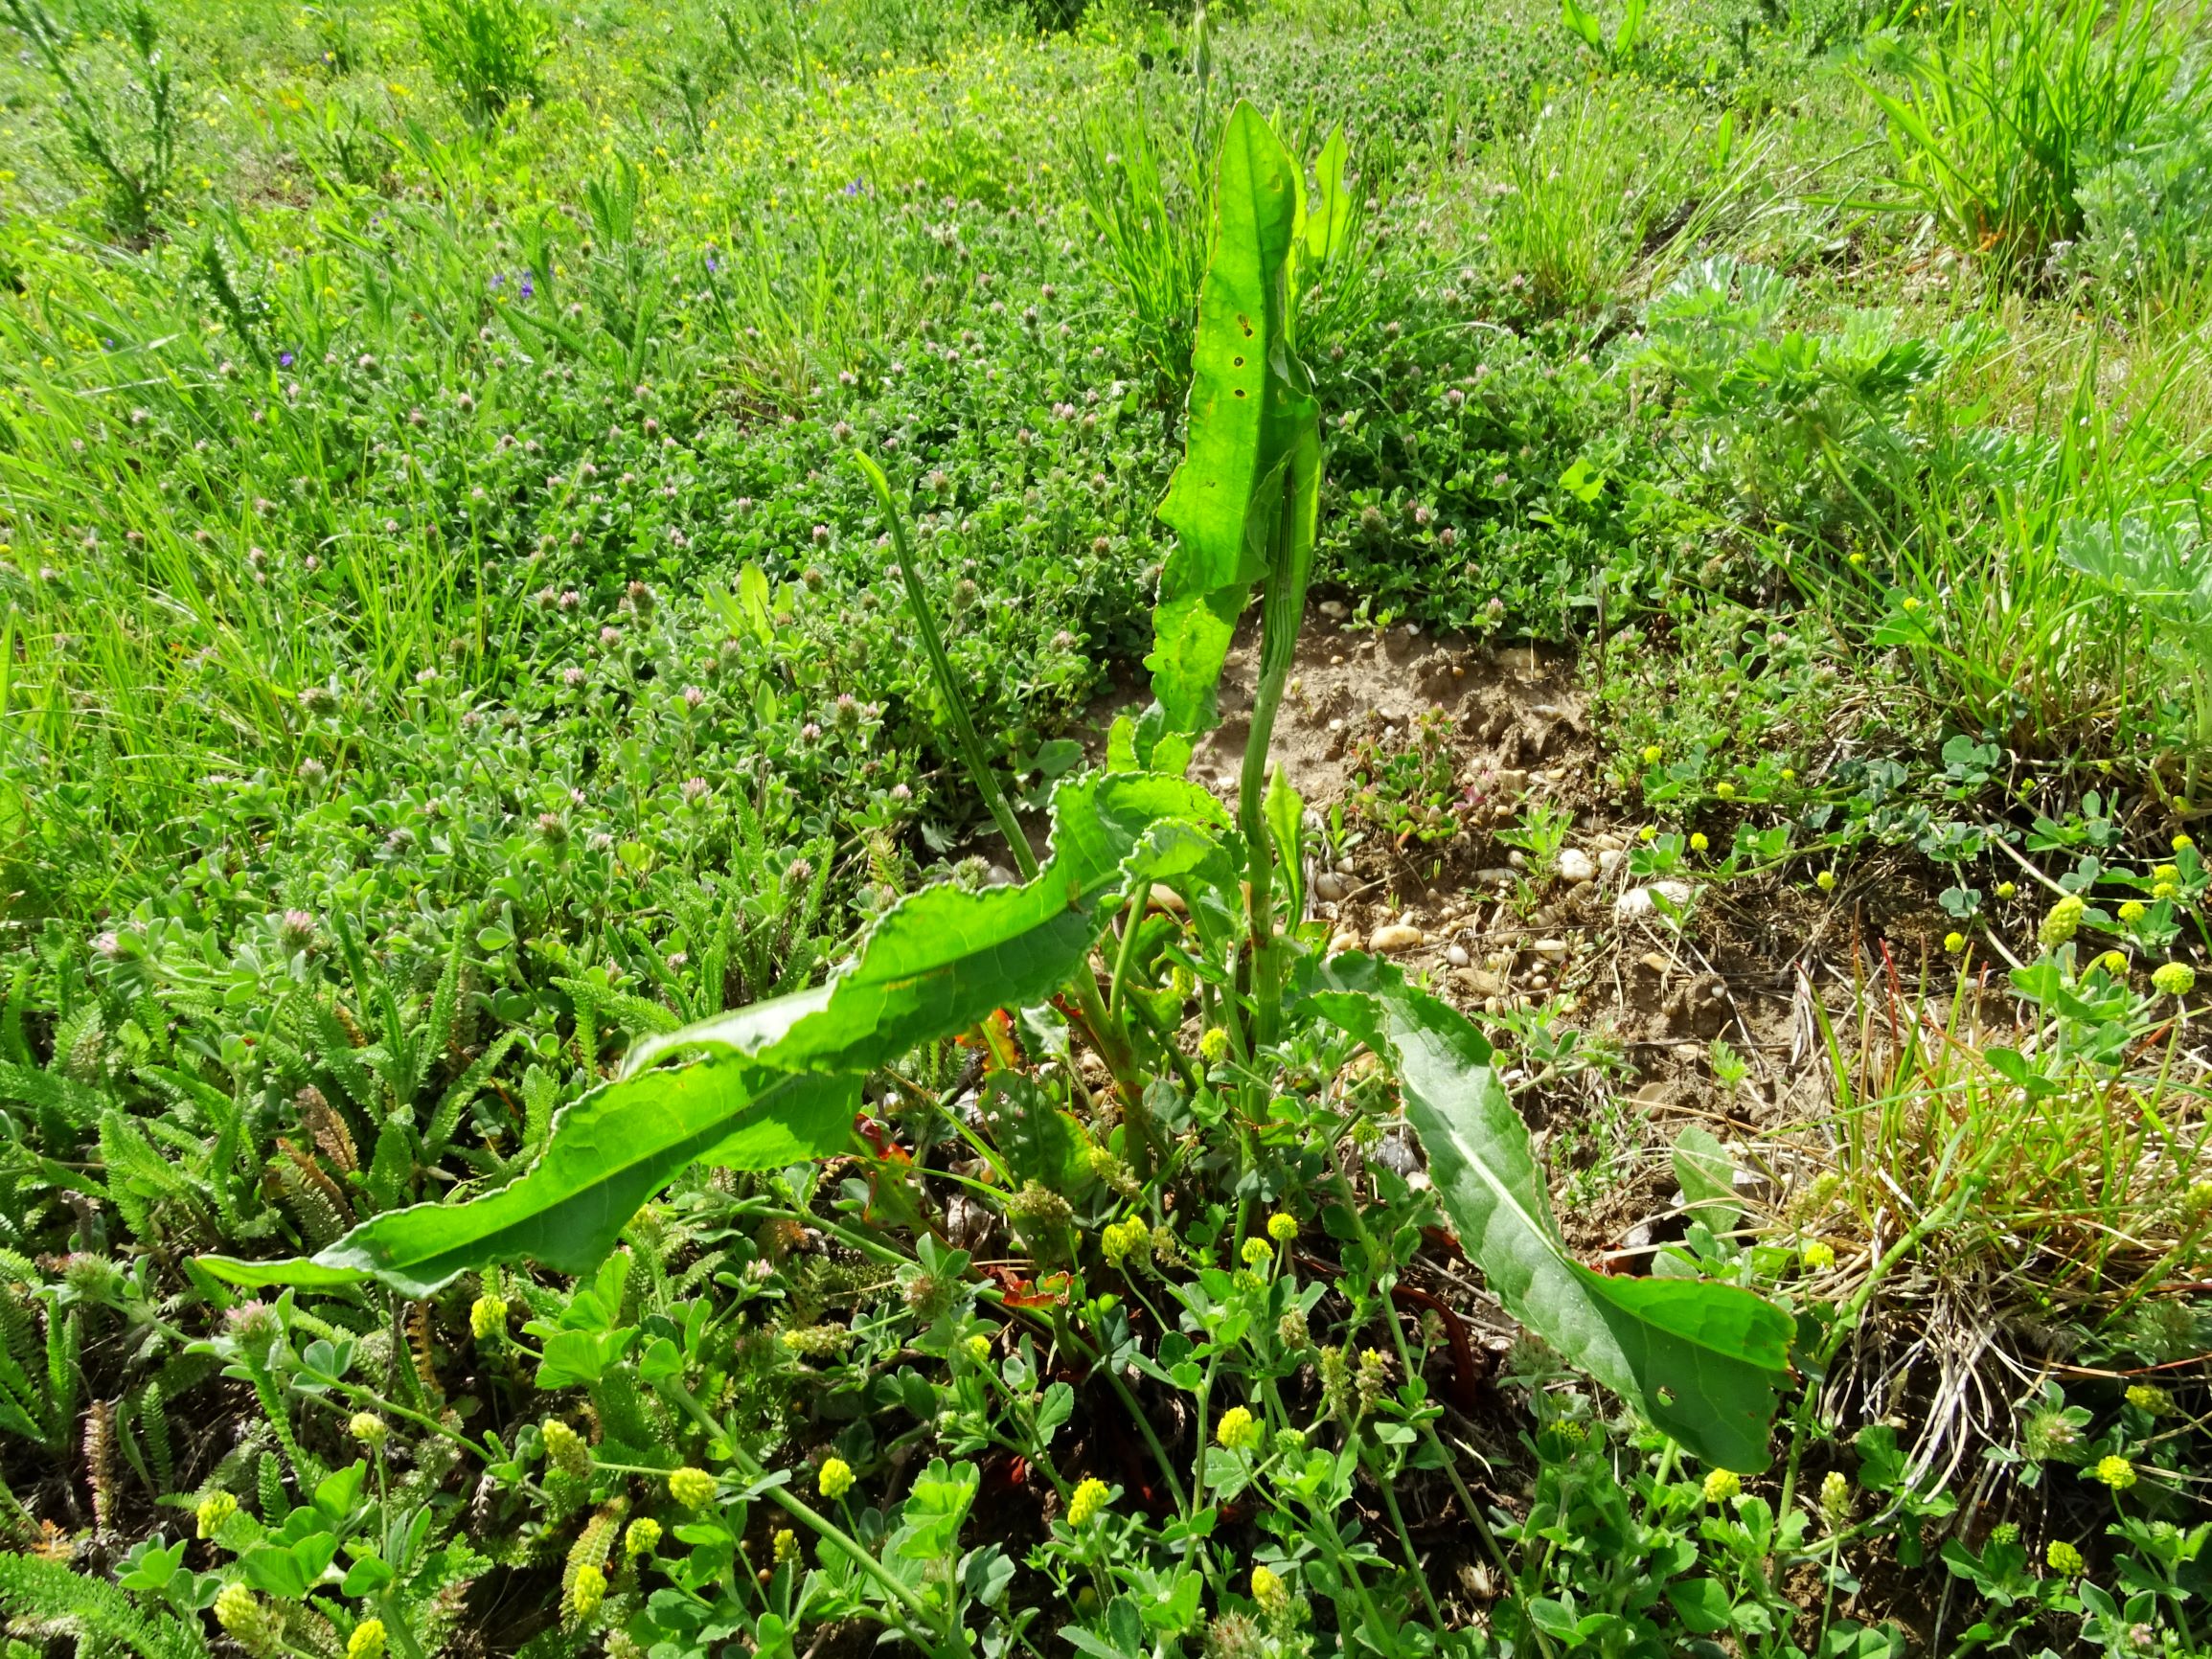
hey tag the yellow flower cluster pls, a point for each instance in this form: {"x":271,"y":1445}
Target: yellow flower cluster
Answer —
{"x":1089,"y":1498}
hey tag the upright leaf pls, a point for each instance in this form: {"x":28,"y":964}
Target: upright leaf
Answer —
{"x":1253,"y":435}
{"x":1701,"y":1361}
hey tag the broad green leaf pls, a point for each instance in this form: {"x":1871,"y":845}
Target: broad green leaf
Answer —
{"x":1245,"y":497}
{"x":1328,"y":220}
{"x":608,"y":1155}
{"x":943,"y":959}
{"x":1701,"y":1361}
{"x":1707,"y":1177}
{"x":782,"y":1078}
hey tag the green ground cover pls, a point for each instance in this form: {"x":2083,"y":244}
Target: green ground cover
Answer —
{"x":457,"y":655}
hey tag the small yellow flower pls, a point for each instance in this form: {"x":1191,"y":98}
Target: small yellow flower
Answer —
{"x":1727,"y":791}
{"x":2134,"y":911}
{"x":1835,"y":1498}
{"x":642,"y":1538}
{"x":2006,"y":890}
{"x":2166,"y":872}
{"x":1954,"y":943}
{"x":367,"y":1642}
{"x":1721,"y":1484}
{"x":214,"y":1510}
{"x":2064,"y":1559}
{"x":1818,"y":1256}
{"x":2116,"y":1472}
{"x":1857,"y":561}
{"x":2173,"y":979}
{"x":1214,"y":1046}
{"x":694,"y":1489}
{"x":586,"y":1591}
{"x":1282,"y":1227}
{"x":1790,"y":774}
{"x":1652,"y":754}
{"x":784,"y":1546}
{"x":1237,"y":1430}
{"x":564,"y":1448}
{"x":1825,"y":881}
{"x":488,"y":1317}
{"x":2183,"y":843}
{"x":1649,"y":832}
{"x":835,"y":1479}
{"x":2061,"y":921}
{"x":1089,"y":1497}
{"x":2154,"y":1401}
{"x":1698,"y":843}
{"x":1270,"y":1590}
{"x":1257,"y":1251}
{"x":1911,"y":605}
{"x":370,"y":1429}
{"x":978,"y":1347}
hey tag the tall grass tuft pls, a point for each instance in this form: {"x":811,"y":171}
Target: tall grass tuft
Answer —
{"x":488,"y":52}
{"x":2005,"y":117}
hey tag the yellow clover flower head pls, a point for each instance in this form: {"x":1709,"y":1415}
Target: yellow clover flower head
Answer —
{"x":488,"y":1317}
{"x":1257,"y":1251}
{"x":2116,"y":1472}
{"x":1270,"y":1590}
{"x":835,"y":1479}
{"x":2064,"y":1559}
{"x":2061,"y":921}
{"x":694,"y":1489}
{"x":2173,"y":979}
{"x":214,"y":1510}
{"x":1721,"y":1484}
{"x":1698,"y":843}
{"x":1238,"y":1430}
{"x":642,"y":1538}
{"x":367,"y":1642}
{"x":1818,"y":1256}
{"x":1089,"y":1498}
{"x":586,"y":1591}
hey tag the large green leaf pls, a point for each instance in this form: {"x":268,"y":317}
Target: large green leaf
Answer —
{"x":781,"y":1079}
{"x":945,"y":957}
{"x":608,"y":1153}
{"x":1701,"y":1361}
{"x":1248,"y":490}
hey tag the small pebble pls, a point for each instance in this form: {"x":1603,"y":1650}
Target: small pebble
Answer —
{"x":1396,"y":936}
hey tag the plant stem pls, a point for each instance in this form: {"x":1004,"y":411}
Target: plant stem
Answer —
{"x":1109,"y":1035}
{"x":1279,"y":611}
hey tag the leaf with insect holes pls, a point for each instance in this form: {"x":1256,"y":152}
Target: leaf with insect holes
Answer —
{"x":1245,"y":498}
{"x":1701,"y":1361}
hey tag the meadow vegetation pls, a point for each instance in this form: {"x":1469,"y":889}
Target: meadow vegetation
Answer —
{"x":693,"y":962}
